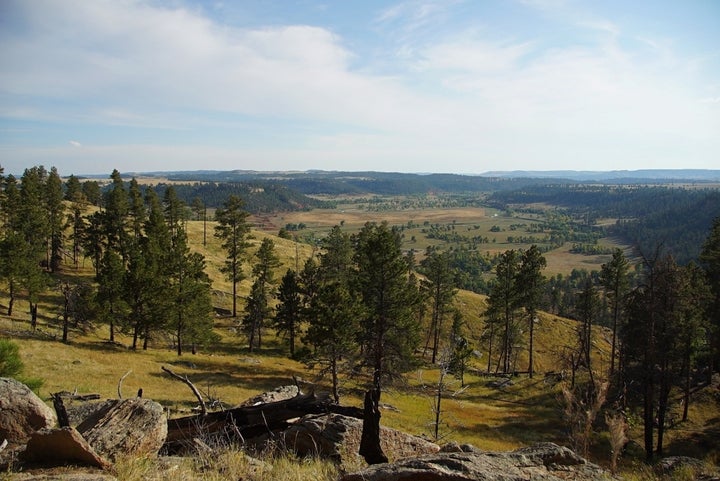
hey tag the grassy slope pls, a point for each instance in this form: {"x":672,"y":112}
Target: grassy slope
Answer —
{"x":526,"y":412}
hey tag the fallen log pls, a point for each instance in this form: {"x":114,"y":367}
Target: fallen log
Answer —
{"x":244,"y":423}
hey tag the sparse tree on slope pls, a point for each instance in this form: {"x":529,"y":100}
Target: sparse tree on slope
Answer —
{"x":531,"y":284}
{"x":233,"y":230}
{"x":258,"y":307}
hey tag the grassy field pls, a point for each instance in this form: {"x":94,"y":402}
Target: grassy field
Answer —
{"x":527,"y":411}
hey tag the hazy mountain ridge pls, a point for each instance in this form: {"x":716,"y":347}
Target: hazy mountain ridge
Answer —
{"x":614,"y":176}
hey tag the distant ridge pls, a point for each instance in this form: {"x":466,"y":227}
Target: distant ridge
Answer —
{"x":703,"y":175}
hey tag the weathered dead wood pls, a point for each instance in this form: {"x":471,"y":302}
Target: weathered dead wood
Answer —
{"x":244,"y":423}
{"x":119,"y":389}
{"x":370,"y":441}
{"x":203,"y":408}
{"x":62,"y":415}
{"x":78,"y":397}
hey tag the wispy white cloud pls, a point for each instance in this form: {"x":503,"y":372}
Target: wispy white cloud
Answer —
{"x":75,"y":143}
{"x":455,"y":95}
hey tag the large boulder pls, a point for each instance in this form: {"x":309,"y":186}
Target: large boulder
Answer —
{"x":60,"y":446}
{"x":338,"y":437}
{"x":543,"y":462}
{"x":21,"y":412}
{"x":127,"y":426}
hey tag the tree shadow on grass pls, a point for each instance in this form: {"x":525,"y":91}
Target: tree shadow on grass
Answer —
{"x":699,"y":444}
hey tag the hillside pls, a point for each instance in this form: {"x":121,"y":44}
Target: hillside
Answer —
{"x":520,"y":413}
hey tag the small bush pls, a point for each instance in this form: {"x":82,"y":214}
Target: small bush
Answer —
{"x":10,"y":363}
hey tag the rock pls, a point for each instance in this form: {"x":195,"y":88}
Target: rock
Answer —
{"x":278,"y":394}
{"x":78,"y":412}
{"x":127,"y":426}
{"x":686,"y":466}
{"x":545,"y":462}
{"x":454,"y":447}
{"x":338,"y":437}
{"x":60,"y":446}
{"x":21,"y":412}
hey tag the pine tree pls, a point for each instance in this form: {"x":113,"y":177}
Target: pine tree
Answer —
{"x":614,"y":278}
{"x":389,"y":330}
{"x":55,"y":217}
{"x":531,"y":284}
{"x":503,"y":303}
{"x":115,"y":216}
{"x":439,"y":291}
{"x":336,"y":312}
{"x":31,"y":222}
{"x":710,"y":261}
{"x":110,"y":294}
{"x":234,"y":231}
{"x":288,"y":314}
{"x":258,"y":307}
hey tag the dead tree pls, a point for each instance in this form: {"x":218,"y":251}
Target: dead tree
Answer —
{"x":244,"y":423}
{"x":370,"y":441}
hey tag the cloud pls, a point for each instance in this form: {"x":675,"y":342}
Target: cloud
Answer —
{"x":454,"y":95}
{"x":75,"y":143}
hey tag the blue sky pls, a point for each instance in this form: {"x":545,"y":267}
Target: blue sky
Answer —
{"x":409,"y":86}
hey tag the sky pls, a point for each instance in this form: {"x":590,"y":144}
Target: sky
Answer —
{"x":452,"y":86}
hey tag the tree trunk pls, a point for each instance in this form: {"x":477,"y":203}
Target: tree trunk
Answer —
{"x":334,"y":369}
{"x":532,"y":330}
{"x":370,"y":441}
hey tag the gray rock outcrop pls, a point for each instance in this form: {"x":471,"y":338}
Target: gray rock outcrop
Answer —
{"x":543,"y":462}
{"x":22,"y":412}
{"x":62,"y":445}
{"x":127,"y":426}
{"x":338,"y":437}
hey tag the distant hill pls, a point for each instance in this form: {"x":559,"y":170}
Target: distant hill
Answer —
{"x":614,"y":176}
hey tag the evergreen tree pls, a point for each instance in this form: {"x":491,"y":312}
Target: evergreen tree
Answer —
{"x":288,"y":314}
{"x":91,"y":191}
{"x":332,"y":332}
{"x":389,"y":331}
{"x":333,"y":309}
{"x":156,"y":250}
{"x":137,"y":211}
{"x":653,"y":342}
{"x":233,"y":230}
{"x":461,"y":350}
{"x":439,"y":290}
{"x":31,"y":223}
{"x":531,"y":284}
{"x":73,"y":190}
{"x":710,"y":261}
{"x":111,"y":288}
{"x":55,"y":217}
{"x":503,"y":303}
{"x":258,"y":308}
{"x":115,"y":216}
{"x":93,"y":239}
{"x":615,"y":280}
{"x":190,"y":288}
{"x":587,"y":308}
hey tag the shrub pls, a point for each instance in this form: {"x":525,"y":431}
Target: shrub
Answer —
{"x":10,"y":363}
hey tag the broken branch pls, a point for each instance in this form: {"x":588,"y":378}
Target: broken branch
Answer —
{"x":203,"y":409}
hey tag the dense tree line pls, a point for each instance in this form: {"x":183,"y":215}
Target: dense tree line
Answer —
{"x":148,"y":282}
{"x":258,"y":197}
{"x":676,"y":217}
